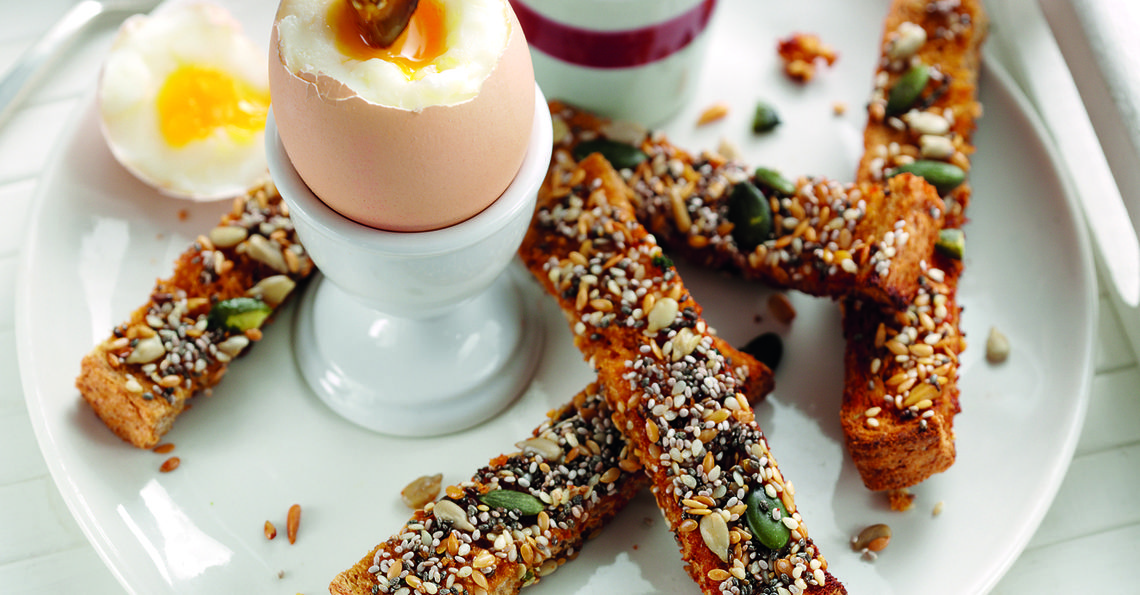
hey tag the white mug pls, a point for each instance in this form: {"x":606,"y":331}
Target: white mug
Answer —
{"x":636,"y":60}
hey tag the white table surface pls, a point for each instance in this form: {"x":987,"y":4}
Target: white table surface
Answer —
{"x":1093,"y":524}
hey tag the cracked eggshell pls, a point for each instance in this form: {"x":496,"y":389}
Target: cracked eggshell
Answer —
{"x":402,"y":170}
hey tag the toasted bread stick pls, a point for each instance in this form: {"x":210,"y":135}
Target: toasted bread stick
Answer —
{"x":946,"y":37}
{"x":140,"y":378}
{"x":825,"y":239}
{"x":713,"y":475}
{"x":576,"y":466}
{"x":901,"y":380}
{"x":572,"y":476}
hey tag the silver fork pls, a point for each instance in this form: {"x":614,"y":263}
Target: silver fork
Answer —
{"x":30,"y":66}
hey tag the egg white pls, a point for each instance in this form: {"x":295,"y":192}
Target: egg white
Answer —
{"x":146,"y":50}
{"x":477,"y":34}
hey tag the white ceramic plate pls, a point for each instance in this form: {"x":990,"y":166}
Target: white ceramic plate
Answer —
{"x":262,"y":442}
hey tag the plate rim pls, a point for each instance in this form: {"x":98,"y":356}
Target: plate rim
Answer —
{"x":120,"y":569}
{"x":992,"y":65}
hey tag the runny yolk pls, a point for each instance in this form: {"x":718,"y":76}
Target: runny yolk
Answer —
{"x":424,"y":39}
{"x":196,"y":100}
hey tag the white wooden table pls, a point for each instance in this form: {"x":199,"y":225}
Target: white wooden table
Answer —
{"x":1093,"y":524}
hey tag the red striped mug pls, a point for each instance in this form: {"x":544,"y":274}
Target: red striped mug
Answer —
{"x":635,"y":60}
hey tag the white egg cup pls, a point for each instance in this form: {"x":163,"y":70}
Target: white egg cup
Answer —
{"x":417,"y":334}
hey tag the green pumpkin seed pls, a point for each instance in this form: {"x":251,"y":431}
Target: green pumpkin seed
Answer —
{"x":765,"y":119}
{"x":951,"y":243}
{"x":526,"y":504}
{"x":943,"y":176}
{"x":620,"y":155}
{"x":907,"y":89}
{"x":238,"y":314}
{"x":770,"y":533}
{"x":768,"y":348}
{"x":750,"y":214}
{"x":773,"y":180}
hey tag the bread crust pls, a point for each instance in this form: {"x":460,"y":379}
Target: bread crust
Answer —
{"x":132,"y":380}
{"x":828,"y":239}
{"x":655,"y":361}
{"x":912,"y":435}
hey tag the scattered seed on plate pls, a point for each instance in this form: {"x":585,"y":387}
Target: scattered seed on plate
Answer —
{"x":997,"y":346}
{"x":767,"y":348}
{"x":292,"y":522}
{"x":728,"y":150}
{"x":164,"y":448}
{"x":170,"y":464}
{"x":270,"y":530}
{"x":421,"y":490}
{"x":714,"y":112}
{"x":765,"y":118}
{"x":782,"y":308}
{"x":874,"y":538}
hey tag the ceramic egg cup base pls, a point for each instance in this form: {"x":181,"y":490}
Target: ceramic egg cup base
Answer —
{"x":418,"y":377}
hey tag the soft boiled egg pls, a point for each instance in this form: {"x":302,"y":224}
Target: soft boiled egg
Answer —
{"x":420,"y":135}
{"x":183,"y":97}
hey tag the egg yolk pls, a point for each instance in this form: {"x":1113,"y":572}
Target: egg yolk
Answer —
{"x":424,"y":39}
{"x":196,"y":100}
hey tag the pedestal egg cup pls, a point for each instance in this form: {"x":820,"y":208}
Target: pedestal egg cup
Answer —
{"x":417,"y":334}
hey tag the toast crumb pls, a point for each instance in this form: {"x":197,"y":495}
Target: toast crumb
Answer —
{"x":801,"y":53}
{"x":901,"y":500}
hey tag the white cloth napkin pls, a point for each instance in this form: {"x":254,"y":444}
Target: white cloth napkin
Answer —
{"x":1108,"y":32}
{"x":1111,"y":32}
{"x":1099,"y":41}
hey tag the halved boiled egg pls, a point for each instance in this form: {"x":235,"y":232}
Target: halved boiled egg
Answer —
{"x":183,"y":97}
{"x":419,"y":135}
